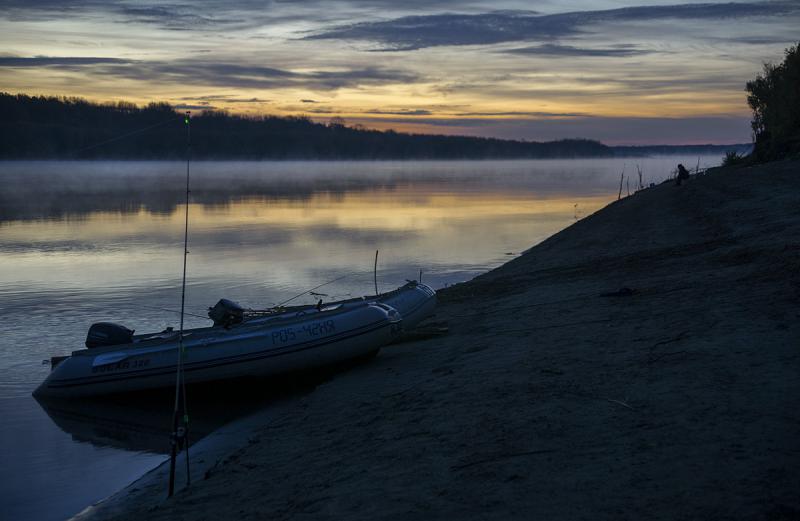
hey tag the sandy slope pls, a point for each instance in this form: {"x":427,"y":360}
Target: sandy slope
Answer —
{"x":550,"y":401}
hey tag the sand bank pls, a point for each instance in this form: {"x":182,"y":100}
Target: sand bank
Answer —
{"x":556,"y":395}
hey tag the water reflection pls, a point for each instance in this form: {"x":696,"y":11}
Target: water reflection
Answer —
{"x":142,"y":421}
{"x":59,"y":190}
{"x":127,"y":425}
{"x":257,"y":245}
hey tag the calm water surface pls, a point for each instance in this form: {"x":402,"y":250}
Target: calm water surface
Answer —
{"x":83,"y":242}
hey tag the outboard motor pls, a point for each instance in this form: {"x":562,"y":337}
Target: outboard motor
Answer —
{"x":226,"y":313}
{"x":108,"y":334}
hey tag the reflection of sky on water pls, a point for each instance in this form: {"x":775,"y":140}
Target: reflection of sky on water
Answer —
{"x":48,"y":189}
{"x":90,"y":242}
{"x":257,"y":239}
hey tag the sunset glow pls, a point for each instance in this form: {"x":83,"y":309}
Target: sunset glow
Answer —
{"x":619,"y":72}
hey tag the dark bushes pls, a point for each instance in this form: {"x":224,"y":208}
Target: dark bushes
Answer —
{"x":774,"y":97}
{"x":733,"y":158}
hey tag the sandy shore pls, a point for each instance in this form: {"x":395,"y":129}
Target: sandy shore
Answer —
{"x":556,"y":395}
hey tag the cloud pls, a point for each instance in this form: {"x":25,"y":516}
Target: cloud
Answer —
{"x":217,"y":15}
{"x":222,"y":98}
{"x":550,"y":49}
{"x":419,"y":32}
{"x":515,"y":114}
{"x":56,"y":61}
{"x":171,"y":16}
{"x":362,"y":76}
{"x":401,"y":112}
{"x":465,"y":117}
{"x":311,"y":110}
{"x":595,"y":83}
{"x":752,"y":40}
{"x":176,"y":17}
{"x":188,"y":106}
{"x":526,"y":114}
{"x":224,"y":74}
{"x":247,"y":100}
{"x":308,"y":101}
{"x":45,"y":9}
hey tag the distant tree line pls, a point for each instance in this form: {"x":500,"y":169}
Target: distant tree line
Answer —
{"x":37,"y":127}
{"x":661,"y":150}
{"x":774,"y":97}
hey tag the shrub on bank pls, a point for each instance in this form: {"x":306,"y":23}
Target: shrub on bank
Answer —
{"x":733,"y":158}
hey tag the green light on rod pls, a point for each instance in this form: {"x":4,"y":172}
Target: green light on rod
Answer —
{"x":186,"y":119}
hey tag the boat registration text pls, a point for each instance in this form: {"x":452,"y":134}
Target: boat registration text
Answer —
{"x":290,"y":334}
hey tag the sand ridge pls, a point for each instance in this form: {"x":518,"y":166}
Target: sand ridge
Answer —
{"x":641,"y":363}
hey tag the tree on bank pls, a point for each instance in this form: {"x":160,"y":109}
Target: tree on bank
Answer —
{"x":774,"y":97}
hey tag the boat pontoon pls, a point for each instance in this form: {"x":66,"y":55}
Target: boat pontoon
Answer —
{"x":237,"y":345}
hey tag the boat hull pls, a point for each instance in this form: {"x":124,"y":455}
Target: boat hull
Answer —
{"x":415,"y":302}
{"x":283,"y":345}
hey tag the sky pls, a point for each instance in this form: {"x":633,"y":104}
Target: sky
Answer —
{"x":622,"y":72}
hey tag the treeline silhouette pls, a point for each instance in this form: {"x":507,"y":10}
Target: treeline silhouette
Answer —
{"x":774,"y":97}
{"x":665,"y":150}
{"x":46,"y":127}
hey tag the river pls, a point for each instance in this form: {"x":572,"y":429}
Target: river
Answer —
{"x":84,"y":242}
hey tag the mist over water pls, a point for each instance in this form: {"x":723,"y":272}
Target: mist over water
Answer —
{"x":84,"y":242}
{"x":55,"y":189}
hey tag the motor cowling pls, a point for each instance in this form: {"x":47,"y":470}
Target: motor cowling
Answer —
{"x":226,"y":313}
{"x":108,"y":334}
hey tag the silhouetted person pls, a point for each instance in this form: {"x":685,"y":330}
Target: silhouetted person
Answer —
{"x":683,"y":174}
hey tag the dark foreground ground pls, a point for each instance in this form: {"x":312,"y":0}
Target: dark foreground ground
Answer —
{"x":556,"y":395}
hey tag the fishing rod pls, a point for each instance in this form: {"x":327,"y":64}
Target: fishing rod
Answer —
{"x":375,"y":277}
{"x":127,"y":134}
{"x":180,"y":434}
{"x":310,"y":290}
